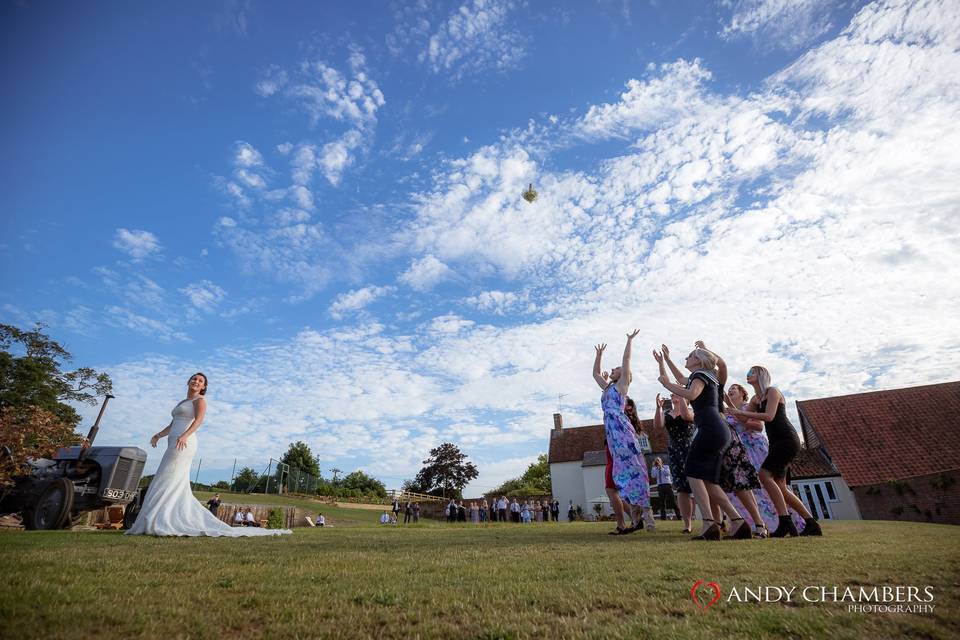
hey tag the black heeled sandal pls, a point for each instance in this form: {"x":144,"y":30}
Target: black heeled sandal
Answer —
{"x":743,"y":531}
{"x":711,"y":533}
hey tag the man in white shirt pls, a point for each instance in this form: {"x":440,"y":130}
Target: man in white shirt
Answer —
{"x":515,"y":510}
{"x":660,"y":474}
{"x":321,"y":521}
{"x":238,"y":518}
{"x":250,"y":520}
{"x":502,"y":508}
{"x":385,"y":518}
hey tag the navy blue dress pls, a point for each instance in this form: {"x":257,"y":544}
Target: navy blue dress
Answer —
{"x":713,"y":436}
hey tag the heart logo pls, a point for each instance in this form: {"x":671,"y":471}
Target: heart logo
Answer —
{"x":696,"y":599}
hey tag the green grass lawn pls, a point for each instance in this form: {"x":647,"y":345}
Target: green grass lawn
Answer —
{"x":464,"y":581}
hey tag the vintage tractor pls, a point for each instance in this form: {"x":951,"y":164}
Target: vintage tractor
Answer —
{"x":58,"y":492}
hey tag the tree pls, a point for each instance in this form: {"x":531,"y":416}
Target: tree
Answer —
{"x":36,"y":378}
{"x":299,"y":455}
{"x":364,"y":484}
{"x":535,"y":481}
{"x":446,"y":469}
{"x":30,"y":432}
{"x":538,"y":474}
{"x":223,"y":485}
{"x":246,"y":480}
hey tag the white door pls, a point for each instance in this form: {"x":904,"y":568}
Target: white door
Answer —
{"x":815,"y":496}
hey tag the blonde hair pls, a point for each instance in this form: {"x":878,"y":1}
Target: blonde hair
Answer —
{"x":707,"y":358}
{"x":763,"y":381}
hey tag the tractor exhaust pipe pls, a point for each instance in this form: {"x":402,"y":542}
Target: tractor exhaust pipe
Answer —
{"x":88,"y":442}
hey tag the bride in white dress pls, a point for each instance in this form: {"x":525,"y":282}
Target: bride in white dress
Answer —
{"x":170,"y":508}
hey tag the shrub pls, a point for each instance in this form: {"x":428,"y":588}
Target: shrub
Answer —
{"x":275,"y":521}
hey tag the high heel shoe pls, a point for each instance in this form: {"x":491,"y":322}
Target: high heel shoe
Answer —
{"x":785,"y":527}
{"x":811,"y":528}
{"x":743,"y":531}
{"x":710,"y":533}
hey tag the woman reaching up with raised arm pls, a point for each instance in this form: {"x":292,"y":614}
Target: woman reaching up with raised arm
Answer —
{"x":629,"y":470}
{"x":702,"y":390}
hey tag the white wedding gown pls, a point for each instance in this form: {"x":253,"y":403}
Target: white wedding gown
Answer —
{"x":170,"y":508}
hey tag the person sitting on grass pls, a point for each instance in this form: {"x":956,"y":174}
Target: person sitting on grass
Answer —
{"x":321,"y":521}
{"x":250,"y":521}
{"x":238,"y":517}
{"x":385,"y":518}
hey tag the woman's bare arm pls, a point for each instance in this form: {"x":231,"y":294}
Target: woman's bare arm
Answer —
{"x":696,"y":388}
{"x":677,"y":374}
{"x":773,"y":394}
{"x":596,"y":366}
{"x":624,"y":382}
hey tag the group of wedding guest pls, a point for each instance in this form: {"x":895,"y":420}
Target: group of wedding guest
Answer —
{"x":503,"y":510}
{"x":730,"y":451}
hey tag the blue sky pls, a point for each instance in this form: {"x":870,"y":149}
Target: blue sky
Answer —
{"x":319,"y":206}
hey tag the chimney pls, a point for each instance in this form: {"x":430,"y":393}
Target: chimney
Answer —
{"x":557,"y":421}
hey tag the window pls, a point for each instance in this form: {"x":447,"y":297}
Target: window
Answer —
{"x":831,"y":494}
{"x":644,"y":443}
{"x":817,"y":496}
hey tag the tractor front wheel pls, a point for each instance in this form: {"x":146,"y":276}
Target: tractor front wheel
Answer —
{"x":51,"y":507}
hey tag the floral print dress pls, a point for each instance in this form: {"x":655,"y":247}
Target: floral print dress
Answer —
{"x":629,"y":466}
{"x":756,"y":445}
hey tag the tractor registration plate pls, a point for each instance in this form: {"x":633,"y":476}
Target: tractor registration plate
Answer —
{"x":117,"y":494}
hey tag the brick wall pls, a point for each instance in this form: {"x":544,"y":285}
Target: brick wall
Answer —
{"x":919,"y":499}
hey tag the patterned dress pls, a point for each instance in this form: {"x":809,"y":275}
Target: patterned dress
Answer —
{"x":756,"y":445}
{"x":679,"y":437}
{"x":737,"y":472}
{"x":629,"y":466}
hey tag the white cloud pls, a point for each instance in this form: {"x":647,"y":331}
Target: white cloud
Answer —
{"x":356,"y":300}
{"x":204,"y":295}
{"x":480,"y":36}
{"x":274,"y":80}
{"x":779,"y":24}
{"x":338,"y":155}
{"x":677,"y":88}
{"x":324,"y":92}
{"x":496,"y":302}
{"x":136,"y":243}
{"x":425,"y":273}
{"x":148,"y":326}
{"x":246,"y":156}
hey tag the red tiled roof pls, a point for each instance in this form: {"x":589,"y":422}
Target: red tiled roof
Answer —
{"x":569,"y":445}
{"x":812,"y":463}
{"x":882,"y":435}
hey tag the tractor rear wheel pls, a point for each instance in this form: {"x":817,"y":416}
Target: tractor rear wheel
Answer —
{"x":50,"y":504}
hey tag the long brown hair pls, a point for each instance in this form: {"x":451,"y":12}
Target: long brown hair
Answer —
{"x":632,"y":415}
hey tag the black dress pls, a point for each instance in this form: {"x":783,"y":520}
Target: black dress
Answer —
{"x":679,"y":437}
{"x":713,"y":436}
{"x":784,"y":442}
